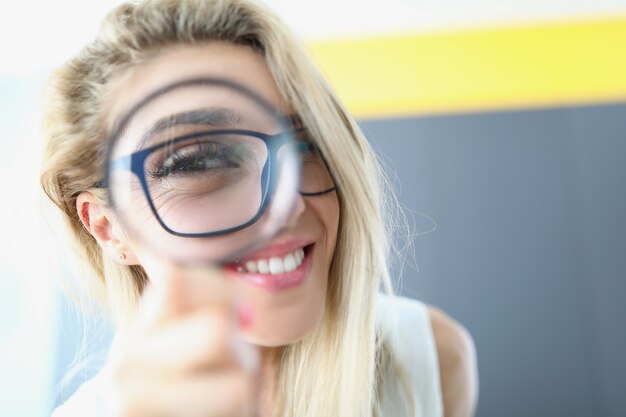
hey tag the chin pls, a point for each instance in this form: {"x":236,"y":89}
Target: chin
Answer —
{"x":279,"y":334}
{"x":281,"y":321}
{"x":284,"y":284}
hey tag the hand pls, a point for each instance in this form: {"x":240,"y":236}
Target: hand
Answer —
{"x":182,"y":356}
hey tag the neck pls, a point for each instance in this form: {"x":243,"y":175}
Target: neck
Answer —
{"x":267,"y":380}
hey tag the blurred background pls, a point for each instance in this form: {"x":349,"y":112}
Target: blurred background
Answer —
{"x":504,"y":123}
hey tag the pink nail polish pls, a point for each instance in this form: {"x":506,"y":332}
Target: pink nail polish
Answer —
{"x":245,"y":315}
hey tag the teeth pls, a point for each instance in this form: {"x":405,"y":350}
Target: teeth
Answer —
{"x":290,"y":263}
{"x":274,"y":265}
{"x":263,"y":266}
{"x":251,"y":266}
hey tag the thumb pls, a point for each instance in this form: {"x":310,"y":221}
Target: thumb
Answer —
{"x":163,"y":297}
{"x":175,"y":290}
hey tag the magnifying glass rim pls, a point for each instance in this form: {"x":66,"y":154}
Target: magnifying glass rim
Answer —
{"x":112,"y":139}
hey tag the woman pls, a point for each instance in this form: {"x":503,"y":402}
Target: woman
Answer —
{"x":329,"y":346}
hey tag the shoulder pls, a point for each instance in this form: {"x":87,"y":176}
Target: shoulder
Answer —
{"x":405,"y":328}
{"x":437,"y":350}
{"x":457,"y":364}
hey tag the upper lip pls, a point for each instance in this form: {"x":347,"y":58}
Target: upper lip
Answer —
{"x":278,"y":249}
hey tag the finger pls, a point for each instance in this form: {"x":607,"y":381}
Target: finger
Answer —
{"x":162,"y":298}
{"x":177,"y":290}
{"x":203,"y":339}
{"x":207,"y":285}
{"x":225,"y":394}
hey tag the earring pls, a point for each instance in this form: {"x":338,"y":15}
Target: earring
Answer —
{"x":122,"y":257}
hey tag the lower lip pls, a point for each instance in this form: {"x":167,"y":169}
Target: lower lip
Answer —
{"x":280,"y":282}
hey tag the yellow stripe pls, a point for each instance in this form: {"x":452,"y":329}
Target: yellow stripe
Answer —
{"x":532,"y":66}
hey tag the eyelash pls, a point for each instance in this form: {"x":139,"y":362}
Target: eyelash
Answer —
{"x":184,"y":157}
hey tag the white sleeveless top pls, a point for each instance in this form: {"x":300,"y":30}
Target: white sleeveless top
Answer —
{"x":405,"y":325}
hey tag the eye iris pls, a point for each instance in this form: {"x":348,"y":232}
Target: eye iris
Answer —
{"x":306,"y":150}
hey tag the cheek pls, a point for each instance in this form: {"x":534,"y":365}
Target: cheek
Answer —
{"x":329,"y":216}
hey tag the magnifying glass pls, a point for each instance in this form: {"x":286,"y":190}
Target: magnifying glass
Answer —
{"x":203,"y":171}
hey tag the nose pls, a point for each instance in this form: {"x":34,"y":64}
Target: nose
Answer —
{"x":298,"y":208}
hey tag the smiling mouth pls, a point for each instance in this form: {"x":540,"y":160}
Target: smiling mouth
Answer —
{"x":275,"y":273}
{"x":274,"y":265}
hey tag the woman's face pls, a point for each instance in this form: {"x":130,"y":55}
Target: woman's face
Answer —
{"x":285,"y":306}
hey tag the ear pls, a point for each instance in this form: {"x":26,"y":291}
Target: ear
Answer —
{"x":103,"y":226}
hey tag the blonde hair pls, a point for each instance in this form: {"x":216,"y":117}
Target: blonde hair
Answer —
{"x":332,"y":372}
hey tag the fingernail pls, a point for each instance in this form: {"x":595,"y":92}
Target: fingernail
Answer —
{"x":245,"y":314}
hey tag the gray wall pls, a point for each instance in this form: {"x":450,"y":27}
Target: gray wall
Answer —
{"x":529,"y":251}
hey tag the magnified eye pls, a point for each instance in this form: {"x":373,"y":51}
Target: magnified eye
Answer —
{"x":204,"y":166}
{"x":200,"y":156}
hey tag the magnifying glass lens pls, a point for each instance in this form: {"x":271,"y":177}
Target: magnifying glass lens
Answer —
{"x":203,"y":171}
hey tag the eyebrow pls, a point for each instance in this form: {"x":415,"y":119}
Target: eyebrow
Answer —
{"x":217,"y":117}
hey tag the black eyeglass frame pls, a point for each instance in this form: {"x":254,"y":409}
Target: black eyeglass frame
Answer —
{"x":136,"y":162}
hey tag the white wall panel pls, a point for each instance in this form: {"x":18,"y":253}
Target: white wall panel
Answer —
{"x":41,"y":34}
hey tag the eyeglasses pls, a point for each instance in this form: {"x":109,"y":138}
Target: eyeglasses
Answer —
{"x":214,"y":182}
